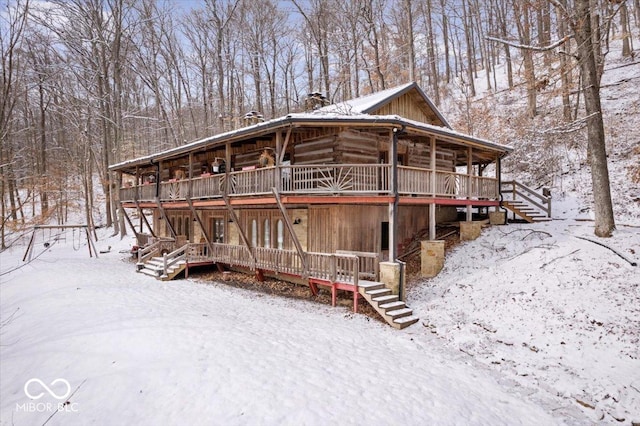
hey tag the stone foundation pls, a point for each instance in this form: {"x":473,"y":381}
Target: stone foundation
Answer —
{"x":470,"y":230}
{"x":432,"y":258}
{"x":497,"y":218}
{"x":390,"y":275}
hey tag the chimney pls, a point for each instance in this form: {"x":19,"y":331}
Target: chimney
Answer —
{"x":253,"y":117}
{"x":314,"y":101}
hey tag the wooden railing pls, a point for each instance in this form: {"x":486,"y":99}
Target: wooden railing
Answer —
{"x":146,"y":253}
{"x":450,"y":184}
{"x":208,"y":186}
{"x":513,"y":190}
{"x":249,"y":182}
{"x":412,"y":180}
{"x":170,"y":259}
{"x":484,"y":187}
{"x":153,"y":248}
{"x":174,"y":190}
{"x":368,"y":263}
{"x":334,"y":267}
{"x":335,"y":179}
{"x":320,"y":179}
{"x":279,"y":261}
{"x":342,"y":266}
{"x":129,"y":193}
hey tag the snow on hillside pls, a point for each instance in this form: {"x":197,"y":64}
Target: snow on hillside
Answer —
{"x":557,"y":314}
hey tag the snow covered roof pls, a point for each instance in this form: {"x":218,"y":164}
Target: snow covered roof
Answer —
{"x":354,"y":112}
{"x":369,"y":104}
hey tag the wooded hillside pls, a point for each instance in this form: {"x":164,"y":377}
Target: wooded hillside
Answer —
{"x":87,"y":83}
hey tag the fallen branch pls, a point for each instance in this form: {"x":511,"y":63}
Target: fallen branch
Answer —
{"x":536,"y":232}
{"x":631,"y":262}
{"x":557,"y":258}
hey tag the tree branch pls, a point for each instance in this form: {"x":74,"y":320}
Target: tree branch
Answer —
{"x":529,"y":47}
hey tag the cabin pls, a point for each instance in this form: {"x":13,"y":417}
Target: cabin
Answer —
{"x":327,"y":197}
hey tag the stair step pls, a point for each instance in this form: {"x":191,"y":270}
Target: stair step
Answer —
{"x":149,"y":272}
{"x":391,"y":306}
{"x":378,"y":292}
{"x":384,"y":299}
{"x":403,"y":322}
{"x":399,"y":313}
{"x":370,"y":285}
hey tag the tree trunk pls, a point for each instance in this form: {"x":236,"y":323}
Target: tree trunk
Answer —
{"x":604,"y":220}
{"x":627,"y":50}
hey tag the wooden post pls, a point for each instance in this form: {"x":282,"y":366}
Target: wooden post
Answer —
{"x":393,"y":206}
{"x":469,"y":181}
{"x":277,"y":170}
{"x":499,"y":180}
{"x":432,"y":207}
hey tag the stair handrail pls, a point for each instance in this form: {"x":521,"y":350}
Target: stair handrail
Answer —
{"x":147,"y":252}
{"x":170,"y":259}
{"x":544,"y":204}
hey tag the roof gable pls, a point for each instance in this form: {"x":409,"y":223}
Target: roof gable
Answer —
{"x":408,"y":101}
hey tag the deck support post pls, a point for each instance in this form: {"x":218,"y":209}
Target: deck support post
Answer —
{"x":469,"y":182}
{"x":393,"y":205}
{"x":432,"y":207}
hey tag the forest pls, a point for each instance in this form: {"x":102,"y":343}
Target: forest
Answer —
{"x":89,"y":83}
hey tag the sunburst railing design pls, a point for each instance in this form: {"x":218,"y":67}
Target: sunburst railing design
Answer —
{"x":335,"y":180}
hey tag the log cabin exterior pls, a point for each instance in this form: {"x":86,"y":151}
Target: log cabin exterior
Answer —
{"x":299,"y":194}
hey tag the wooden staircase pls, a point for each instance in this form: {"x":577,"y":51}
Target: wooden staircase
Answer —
{"x":165,"y":267}
{"x":154,"y":267}
{"x":394,"y":311}
{"x":525,"y":202}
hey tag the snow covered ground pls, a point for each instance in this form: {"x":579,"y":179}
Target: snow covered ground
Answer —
{"x":554,"y":313}
{"x":138,"y":351}
{"x":529,"y":324}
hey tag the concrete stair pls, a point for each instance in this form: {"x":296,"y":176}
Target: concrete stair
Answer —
{"x":154,"y":267}
{"x":394,"y":311}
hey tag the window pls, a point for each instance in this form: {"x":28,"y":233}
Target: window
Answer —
{"x":216,"y":229}
{"x":280,"y":234}
{"x":267,"y":233}
{"x":254,"y":233}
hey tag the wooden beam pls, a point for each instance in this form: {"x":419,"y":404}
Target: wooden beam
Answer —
{"x":432,"y":208}
{"x":164,"y":214}
{"x":294,"y":237}
{"x":243,"y":236}
{"x":469,"y":180}
{"x":203,"y":228}
{"x":393,"y":205}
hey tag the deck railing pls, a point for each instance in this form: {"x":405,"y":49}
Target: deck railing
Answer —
{"x":208,"y":186}
{"x":413,"y":180}
{"x":280,"y":261}
{"x":329,"y":179}
{"x":342,"y":266}
{"x":335,"y":179}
